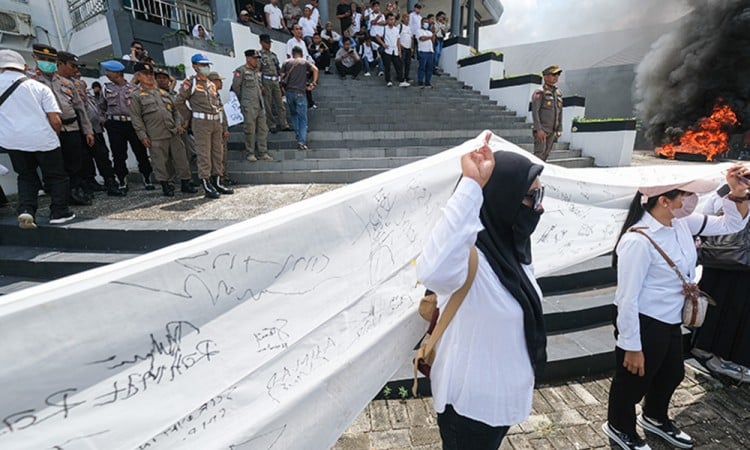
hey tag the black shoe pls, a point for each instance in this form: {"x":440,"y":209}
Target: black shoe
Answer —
{"x":220,"y":187}
{"x":122,"y":184}
{"x":208,"y":188}
{"x":147,"y":182}
{"x":61,"y":217}
{"x":112,"y":188}
{"x":94,"y":186}
{"x":288,"y":129}
{"x":667,"y":431}
{"x":187,"y":187}
{"x":78,"y":198}
{"x":167,"y":189}
{"x":624,"y":441}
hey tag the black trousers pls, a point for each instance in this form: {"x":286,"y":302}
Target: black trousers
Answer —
{"x":406,"y":57}
{"x":120,"y":133}
{"x":396,"y":61}
{"x":323,"y":61}
{"x":98,"y":154}
{"x":461,"y":433}
{"x":25,"y":164}
{"x":664,"y":370}
{"x":353,"y":70}
{"x":71,"y":144}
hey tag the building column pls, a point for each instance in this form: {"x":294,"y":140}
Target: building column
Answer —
{"x":455,"y":18}
{"x":323,"y":10}
{"x":471,"y":24}
{"x":225,"y":14}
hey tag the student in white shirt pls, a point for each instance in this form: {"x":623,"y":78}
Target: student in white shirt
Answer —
{"x":274,"y":16}
{"x":650,"y":299}
{"x":307,"y":24}
{"x":425,"y":39}
{"x":483,"y":374}
{"x":356,"y":20}
{"x":415,"y":19}
{"x":390,"y":44}
{"x":406,"y":37}
{"x":368,"y":51}
{"x":376,"y":20}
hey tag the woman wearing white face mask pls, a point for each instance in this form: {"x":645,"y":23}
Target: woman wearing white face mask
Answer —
{"x":649,"y":301}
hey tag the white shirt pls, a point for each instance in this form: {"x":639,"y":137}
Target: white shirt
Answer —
{"x":645,"y":282}
{"x":406,"y":37}
{"x":390,"y":39}
{"x":308,"y":26}
{"x":274,"y":16}
{"x":424,"y":46}
{"x":293,"y":42}
{"x":333,"y":35}
{"x":315,"y":16}
{"x":356,"y":23}
{"x":23,"y":117}
{"x":482,"y":365}
{"x":376,"y":30}
{"x":415,"y":22}
{"x":368,"y":51}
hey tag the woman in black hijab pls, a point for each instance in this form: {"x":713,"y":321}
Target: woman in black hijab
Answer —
{"x":483,"y":374}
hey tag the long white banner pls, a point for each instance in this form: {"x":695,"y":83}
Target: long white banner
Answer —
{"x":271,"y":333}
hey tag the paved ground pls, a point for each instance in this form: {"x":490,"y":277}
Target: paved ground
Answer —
{"x":566,"y":416}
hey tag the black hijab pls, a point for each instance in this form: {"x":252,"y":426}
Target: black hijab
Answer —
{"x":506,"y":245}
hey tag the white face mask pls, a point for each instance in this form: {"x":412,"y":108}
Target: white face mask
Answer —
{"x":205,"y":70}
{"x":689,"y":202}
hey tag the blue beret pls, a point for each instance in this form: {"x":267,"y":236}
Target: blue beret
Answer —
{"x":113,"y":66}
{"x":200,"y":58}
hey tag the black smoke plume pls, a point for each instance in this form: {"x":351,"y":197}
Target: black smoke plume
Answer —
{"x":705,"y":58}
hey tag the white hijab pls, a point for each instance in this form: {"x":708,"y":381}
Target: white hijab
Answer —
{"x":195,"y":32}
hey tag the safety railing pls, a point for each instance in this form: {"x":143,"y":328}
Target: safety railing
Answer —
{"x":175,"y":14}
{"x":82,"y":11}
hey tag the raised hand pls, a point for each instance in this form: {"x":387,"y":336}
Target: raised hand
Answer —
{"x":479,"y":164}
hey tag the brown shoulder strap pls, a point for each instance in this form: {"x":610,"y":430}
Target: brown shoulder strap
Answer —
{"x":454,"y":302}
{"x":663,"y":254}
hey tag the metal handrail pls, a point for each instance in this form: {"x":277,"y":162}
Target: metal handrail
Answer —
{"x":174,"y":14}
{"x":82,"y":11}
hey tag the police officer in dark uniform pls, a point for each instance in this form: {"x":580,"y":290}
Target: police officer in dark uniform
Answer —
{"x":116,"y":104}
{"x":272,"y":98}
{"x":546,"y":110}
{"x":74,"y":116}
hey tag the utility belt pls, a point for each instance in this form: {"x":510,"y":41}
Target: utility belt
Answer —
{"x":69,"y":121}
{"x":271,"y":77}
{"x":205,"y":116}
{"x":118,"y":118}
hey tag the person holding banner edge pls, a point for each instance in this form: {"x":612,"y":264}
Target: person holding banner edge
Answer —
{"x":650,"y":299}
{"x":486,"y":361}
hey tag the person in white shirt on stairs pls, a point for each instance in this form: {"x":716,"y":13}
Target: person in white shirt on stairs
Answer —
{"x":650,"y":299}
{"x":486,"y":361}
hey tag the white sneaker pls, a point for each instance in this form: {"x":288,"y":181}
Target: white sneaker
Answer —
{"x":380,"y":74}
{"x":389,"y":84}
{"x":667,"y":431}
{"x":728,"y":368}
{"x":367,"y":74}
{"x":404,"y":84}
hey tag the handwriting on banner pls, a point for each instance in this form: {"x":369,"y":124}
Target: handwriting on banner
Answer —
{"x":272,"y":338}
{"x":57,"y":404}
{"x":223,"y":276}
{"x":206,"y":416}
{"x":264,"y":440}
{"x":389,"y":225}
{"x":291,"y":375}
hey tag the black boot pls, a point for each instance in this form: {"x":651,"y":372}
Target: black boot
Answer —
{"x":219,"y":187}
{"x":187,"y":187}
{"x":112,"y":189}
{"x":147,"y":182}
{"x":208,"y":188}
{"x":167,"y":189}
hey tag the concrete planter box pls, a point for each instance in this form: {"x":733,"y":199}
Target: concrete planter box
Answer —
{"x":454,"y":49}
{"x":515,"y":93}
{"x":573,"y":107}
{"x":610,"y":143}
{"x":477,"y":71}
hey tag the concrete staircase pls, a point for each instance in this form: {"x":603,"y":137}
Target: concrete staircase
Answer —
{"x":361,"y":128}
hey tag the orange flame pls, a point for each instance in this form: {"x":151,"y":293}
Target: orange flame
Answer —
{"x":707,"y":138}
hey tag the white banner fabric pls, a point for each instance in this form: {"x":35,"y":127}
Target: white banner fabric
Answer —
{"x":271,"y":333}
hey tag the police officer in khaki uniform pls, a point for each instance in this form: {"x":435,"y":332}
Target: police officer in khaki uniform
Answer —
{"x":116,"y":105}
{"x":208,"y":129}
{"x":74,"y":116}
{"x":159,"y":125}
{"x":218,"y":81}
{"x":546,"y":110}
{"x":269,"y":70}
{"x":246,"y":83}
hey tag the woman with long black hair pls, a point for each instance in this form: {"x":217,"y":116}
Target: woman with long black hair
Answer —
{"x":649,"y":300}
{"x":483,"y":374}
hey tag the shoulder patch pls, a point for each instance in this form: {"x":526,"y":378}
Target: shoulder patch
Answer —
{"x":537,"y":95}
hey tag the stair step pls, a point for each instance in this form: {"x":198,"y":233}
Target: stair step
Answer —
{"x":594,"y":273}
{"x":578,"y":310}
{"x":51,"y":263}
{"x":10,"y":284}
